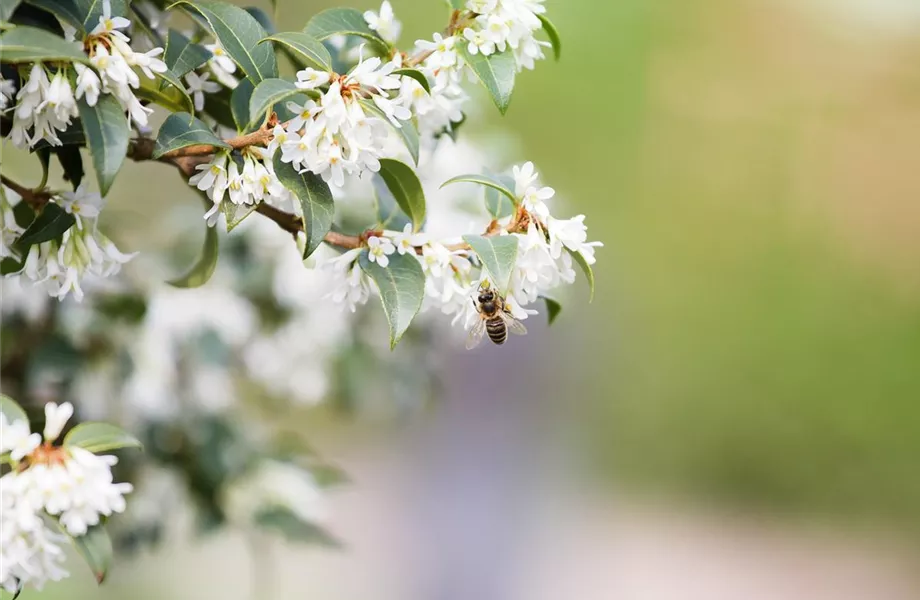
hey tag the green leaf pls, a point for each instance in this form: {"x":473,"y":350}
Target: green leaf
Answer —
{"x":11,"y":410}
{"x":268,"y":93}
{"x":157,"y":92}
{"x":30,"y":44}
{"x":107,"y":132}
{"x":457,"y":4}
{"x":239,"y":33}
{"x":389,"y":215}
{"x":143,"y":25}
{"x":50,"y":224}
{"x":180,"y":130}
{"x":316,"y":202}
{"x":100,"y":437}
{"x":96,"y":549}
{"x":235,"y":214}
{"x":201,"y":272}
{"x":497,"y":203}
{"x":406,"y":188}
{"x":72,"y":164}
{"x":217,"y":106}
{"x":262,"y":18}
{"x":65,"y":10}
{"x":93,"y":9}
{"x":23,"y":214}
{"x":402,"y":288}
{"x":500,"y":185}
{"x":416,"y":75}
{"x":308,"y":51}
{"x":182,"y":56}
{"x":293,"y":528}
{"x":408,"y":131}
{"x":344,"y":21}
{"x":7,"y":8}
{"x":11,"y":265}
{"x":553,"y":34}
{"x":586,"y":268}
{"x":498,"y":255}
{"x":173,"y":80}
{"x":496,"y":72}
{"x":553,"y":308}
{"x":239,"y":103}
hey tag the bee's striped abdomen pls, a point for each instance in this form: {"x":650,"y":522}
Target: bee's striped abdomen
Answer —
{"x":498,"y":331}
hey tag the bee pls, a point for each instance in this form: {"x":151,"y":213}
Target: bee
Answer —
{"x":494,"y":317}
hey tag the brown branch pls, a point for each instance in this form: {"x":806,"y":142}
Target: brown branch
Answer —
{"x":142,"y":148}
{"x":36,"y":199}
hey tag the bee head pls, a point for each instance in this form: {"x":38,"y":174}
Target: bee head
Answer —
{"x":486,"y":295}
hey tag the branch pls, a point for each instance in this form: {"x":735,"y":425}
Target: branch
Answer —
{"x":142,"y":148}
{"x":36,"y":199}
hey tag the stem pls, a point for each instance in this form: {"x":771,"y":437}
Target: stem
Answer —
{"x":35,"y":199}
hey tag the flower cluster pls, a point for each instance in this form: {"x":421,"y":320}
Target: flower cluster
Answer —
{"x":59,"y":266}
{"x":243,"y":180}
{"x":47,"y":103}
{"x":66,"y":484}
{"x":502,"y":25}
{"x":453,"y":275}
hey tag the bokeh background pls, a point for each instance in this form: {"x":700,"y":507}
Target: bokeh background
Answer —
{"x":737,"y":415}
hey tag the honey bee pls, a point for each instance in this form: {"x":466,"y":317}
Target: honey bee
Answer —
{"x":494,"y":318}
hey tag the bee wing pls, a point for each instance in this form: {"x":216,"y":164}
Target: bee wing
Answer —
{"x":476,"y":334}
{"x":514,"y":326}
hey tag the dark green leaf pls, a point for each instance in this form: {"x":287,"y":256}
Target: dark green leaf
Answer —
{"x":199,"y":274}
{"x":11,"y":265}
{"x":316,"y":202}
{"x":268,"y":93}
{"x":50,"y":224}
{"x":402,"y":288}
{"x":7,"y":8}
{"x":173,"y":80}
{"x":96,"y":549}
{"x":44,"y":159}
{"x":11,"y":410}
{"x":239,"y":103}
{"x":408,"y":131}
{"x":263,"y":19}
{"x":157,"y":92}
{"x":406,"y":188}
{"x":389,"y":215}
{"x":586,"y":268}
{"x":498,"y":255}
{"x":181,"y":130}
{"x":218,"y":106}
{"x":107,"y":132}
{"x":344,"y":21}
{"x":100,"y":437}
{"x":553,"y":34}
{"x":496,"y":72}
{"x":23,"y":214}
{"x":293,"y":528}
{"x":486,"y":180}
{"x":553,"y":308}
{"x":239,"y":33}
{"x":183,"y":56}
{"x":416,"y":75}
{"x":308,"y":51}
{"x":72,"y":163}
{"x":93,"y":9}
{"x":29,"y":44}
{"x":65,"y":10}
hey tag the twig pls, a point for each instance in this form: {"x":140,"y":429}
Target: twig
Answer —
{"x":36,"y":199}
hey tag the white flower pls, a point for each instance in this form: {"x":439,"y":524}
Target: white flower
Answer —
{"x":212,"y":177}
{"x":443,"y":52}
{"x":479,"y":42}
{"x":59,"y":98}
{"x":524,"y":177}
{"x":220,"y":58}
{"x":379,"y":249}
{"x":407,"y":240}
{"x":482,"y":6}
{"x":535,"y":198}
{"x":108,"y":23}
{"x":198,"y":86}
{"x":17,"y":439}
{"x":385,"y":23}
{"x":56,"y":417}
{"x":572,"y":234}
{"x":88,"y":84}
{"x":9,"y":229}
{"x":149,"y":63}
{"x":82,"y":204}
{"x":309,"y":79}
{"x":276,"y":484}
{"x":7,"y":90}
{"x":349,"y":285}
